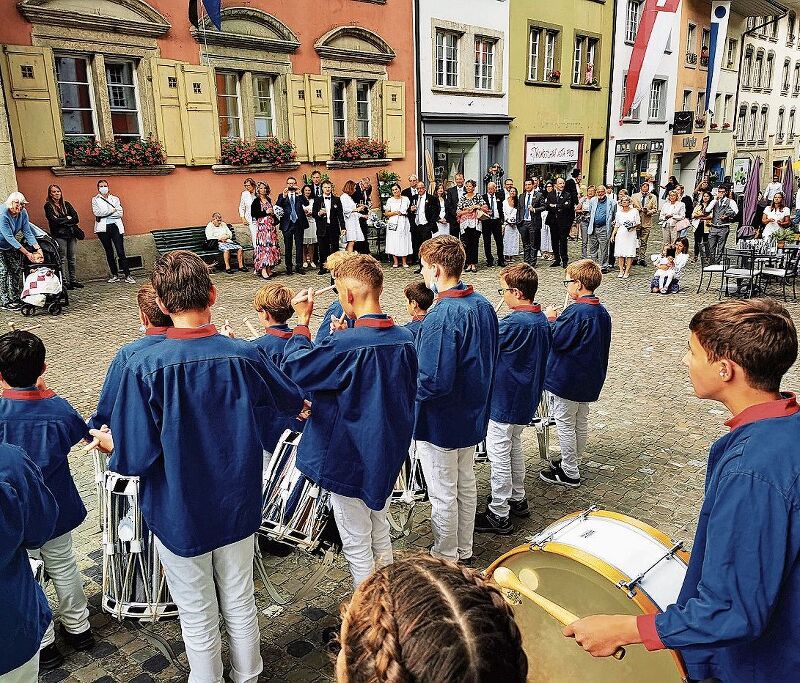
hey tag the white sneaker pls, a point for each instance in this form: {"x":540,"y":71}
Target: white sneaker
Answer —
{"x":130,"y":280}
{"x":113,"y":278}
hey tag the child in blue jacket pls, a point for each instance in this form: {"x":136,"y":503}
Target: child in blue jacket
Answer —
{"x":576,"y":368}
{"x":418,"y":300}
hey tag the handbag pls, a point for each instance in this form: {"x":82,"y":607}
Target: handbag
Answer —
{"x":481,"y":215}
{"x":211,"y":245}
{"x":78,"y":233}
{"x":682,"y":224}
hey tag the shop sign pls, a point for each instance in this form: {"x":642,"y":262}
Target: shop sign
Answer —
{"x":741,"y":170}
{"x":639,"y":147}
{"x":551,"y":151}
{"x":689,"y":143}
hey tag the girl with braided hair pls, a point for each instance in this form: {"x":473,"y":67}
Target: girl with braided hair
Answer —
{"x":427,"y":620}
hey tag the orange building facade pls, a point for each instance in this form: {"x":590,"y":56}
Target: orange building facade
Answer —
{"x":317,"y":74}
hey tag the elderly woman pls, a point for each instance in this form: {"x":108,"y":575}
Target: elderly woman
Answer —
{"x":467,"y":216}
{"x":626,"y":223}
{"x":672,"y":212}
{"x":13,"y":220}
{"x":219,"y":232}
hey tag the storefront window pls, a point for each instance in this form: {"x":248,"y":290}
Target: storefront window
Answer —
{"x":454,"y":154}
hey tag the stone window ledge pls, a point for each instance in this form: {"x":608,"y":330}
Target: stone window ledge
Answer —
{"x":102,"y":171}
{"x":544,"y":84}
{"x":584,"y":86}
{"x":358,"y":163}
{"x":467,"y":92}
{"x":226,"y":169}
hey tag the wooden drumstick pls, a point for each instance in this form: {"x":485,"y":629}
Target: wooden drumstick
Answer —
{"x":499,"y":305}
{"x":252,"y":328}
{"x":325,"y":289}
{"x":505,"y":578}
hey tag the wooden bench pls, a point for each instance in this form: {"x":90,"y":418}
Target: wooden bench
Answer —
{"x":191,"y":239}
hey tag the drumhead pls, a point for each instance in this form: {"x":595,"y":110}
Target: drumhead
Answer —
{"x":552,"y":658}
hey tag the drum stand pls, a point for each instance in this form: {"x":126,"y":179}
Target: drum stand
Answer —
{"x":542,"y":421}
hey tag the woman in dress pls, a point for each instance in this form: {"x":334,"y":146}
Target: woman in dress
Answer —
{"x":467,"y":216}
{"x":510,"y":229}
{"x":626,"y":224}
{"x":672,"y":212}
{"x":245,"y":204}
{"x":398,"y":229}
{"x":442,"y":224}
{"x":351,"y":210}
{"x":776,"y":217}
{"x":63,"y":220}
{"x":701,"y":221}
{"x":221,"y":233}
{"x":546,"y":246}
{"x":310,"y":234}
{"x":267,"y":252}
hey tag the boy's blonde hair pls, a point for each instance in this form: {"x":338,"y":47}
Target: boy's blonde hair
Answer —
{"x":587,"y":272}
{"x":276,"y":300}
{"x":336,"y":259}
{"x":445,"y":251}
{"x":363,"y":269}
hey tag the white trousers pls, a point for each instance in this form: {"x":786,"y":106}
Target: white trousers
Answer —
{"x":253,"y":231}
{"x":450,"y":474}
{"x":504,"y":450}
{"x":204,"y":586}
{"x":572,"y":425}
{"x":366,"y":542}
{"x":62,"y":568}
{"x":26,"y":673}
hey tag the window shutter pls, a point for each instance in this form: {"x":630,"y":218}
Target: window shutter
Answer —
{"x":201,"y":141}
{"x":394,"y":118}
{"x":321,"y":117}
{"x":167,"y":94}
{"x":33,"y":105}
{"x":298,"y":121}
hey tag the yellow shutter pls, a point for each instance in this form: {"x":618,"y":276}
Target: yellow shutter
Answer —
{"x":298,"y":121}
{"x":318,"y":96}
{"x":394,"y":118}
{"x":199,"y":120}
{"x":33,"y":105}
{"x":167,"y":94}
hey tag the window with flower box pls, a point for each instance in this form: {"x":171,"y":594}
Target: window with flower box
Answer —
{"x":585,"y":68}
{"x":544,"y":53}
{"x":76,"y":97}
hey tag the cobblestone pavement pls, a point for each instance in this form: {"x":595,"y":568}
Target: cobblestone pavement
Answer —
{"x":646,"y":457}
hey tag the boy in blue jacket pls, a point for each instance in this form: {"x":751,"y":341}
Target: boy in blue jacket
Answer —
{"x":736,"y":617}
{"x":351,"y":445}
{"x":457,"y":348}
{"x":28,"y":516}
{"x":418,"y":300}
{"x":524,"y":345}
{"x":154,"y":324}
{"x":335,"y":309}
{"x":46,"y":427}
{"x":576,"y":367}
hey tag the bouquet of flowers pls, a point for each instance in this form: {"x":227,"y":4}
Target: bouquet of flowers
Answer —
{"x":277,"y":211}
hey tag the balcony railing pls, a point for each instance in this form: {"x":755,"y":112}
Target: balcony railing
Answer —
{"x":704,"y":62}
{"x":691,"y":58}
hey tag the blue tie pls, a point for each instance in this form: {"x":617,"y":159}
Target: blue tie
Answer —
{"x":527,"y":205}
{"x":293,"y":212}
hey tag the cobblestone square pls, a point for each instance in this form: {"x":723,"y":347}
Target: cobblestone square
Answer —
{"x":646,"y":457}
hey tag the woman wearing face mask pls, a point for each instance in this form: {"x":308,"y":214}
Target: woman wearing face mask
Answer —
{"x":109,"y":229}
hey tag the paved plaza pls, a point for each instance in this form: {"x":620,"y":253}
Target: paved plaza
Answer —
{"x":645,"y":457}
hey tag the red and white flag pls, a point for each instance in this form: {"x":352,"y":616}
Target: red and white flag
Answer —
{"x":655,"y":26}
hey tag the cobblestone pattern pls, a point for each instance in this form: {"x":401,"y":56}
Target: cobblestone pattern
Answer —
{"x":646,"y":456}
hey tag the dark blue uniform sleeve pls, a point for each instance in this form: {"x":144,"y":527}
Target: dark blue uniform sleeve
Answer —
{"x":438,"y":357}
{"x":108,"y":394}
{"x":78,"y":429}
{"x":567,"y":332}
{"x":748,"y":548}
{"x":312,"y":367}
{"x":284,"y":396}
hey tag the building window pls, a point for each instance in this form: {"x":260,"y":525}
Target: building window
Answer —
{"x":550,"y":59}
{"x":635,"y":112}
{"x":758,"y":70}
{"x":264,"y":116}
{"x":785,"y":77}
{"x":583,"y":61}
{"x":700,"y":108}
{"x":655,"y":108}
{"x":228,"y":105}
{"x":715,"y":115}
{"x":779,"y":127}
{"x":730,"y":54}
{"x":122,"y":99}
{"x":740,"y":123}
{"x":751,"y":124}
{"x":691,"y":40}
{"x":769,"y":69}
{"x":790,"y":129}
{"x":727,"y":113}
{"x":747,"y":68}
{"x":686,"y":103}
{"x":484,"y":63}
{"x":544,"y":64}
{"x":762,"y":125}
{"x":339,"y":98}
{"x":533,"y":54}
{"x":797,"y":77}
{"x":75,"y":93}
{"x":446,"y":59}
{"x":705,"y":40}
{"x":773,"y":28}
{"x":632,"y":19}
{"x":363,"y":92}
{"x":792,"y":23}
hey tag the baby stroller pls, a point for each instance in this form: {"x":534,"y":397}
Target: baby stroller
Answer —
{"x":44,"y":282}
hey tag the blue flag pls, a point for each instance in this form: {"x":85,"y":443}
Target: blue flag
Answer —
{"x":720,"y":12}
{"x":214,"y":11}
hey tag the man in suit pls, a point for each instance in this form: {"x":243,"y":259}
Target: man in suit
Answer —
{"x":573,"y":185}
{"x":492,"y":225}
{"x":329,"y":216}
{"x":647,"y":204}
{"x":316,"y":184}
{"x":423,"y":220}
{"x":293,"y":224}
{"x":453,"y":196}
{"x":532,"y":204}
{"x":560,"y":217}
{"x":362,"y":195}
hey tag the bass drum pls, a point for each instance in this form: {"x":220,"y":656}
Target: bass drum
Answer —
{"x":596,"y":562}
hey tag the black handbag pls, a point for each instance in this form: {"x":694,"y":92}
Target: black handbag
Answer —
{"x":78,"y":233}
{"x":211,"y":245}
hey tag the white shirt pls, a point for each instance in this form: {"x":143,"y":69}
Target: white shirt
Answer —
{"x":420,"y":214}
{"x":327,"y":202}
{"x":218,"y":232}
{"x":771,"y":190}
{"x":107,"y":209}
{"x":774,"y":215}
{"x":494,"y":209}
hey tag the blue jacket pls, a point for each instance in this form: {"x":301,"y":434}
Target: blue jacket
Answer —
{"x":457,"y":349}
{"x":363,"y":381}
{"x":578,"y":362}
{"x":108,"y":393}
{"x":192,"y":419}
{"x":414,"y":326}
{"x":324,"y":331}
{"x":525,"y":339}
{"x":11,"y":225}
{"x":736,"y":617}
{"x":46,"y":427}
{"x":28,"y":514}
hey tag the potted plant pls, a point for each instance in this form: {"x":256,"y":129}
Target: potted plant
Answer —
{"x":714,"y":126}
{"x":700,"y":122}
{"x":385,"y":181}
{"x":726,"y":126}
{"x":782,"y":236}
{"x":554,"y":76}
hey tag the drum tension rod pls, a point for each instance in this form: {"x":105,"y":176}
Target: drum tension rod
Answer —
{"x":629,"y":585}
{"x":538,"y":543}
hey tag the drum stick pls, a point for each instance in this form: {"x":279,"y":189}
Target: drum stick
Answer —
{"x":324,"y":289}
{"x":499,"y":305}
{"x":252,"y":328}
{"x":505,"y":578}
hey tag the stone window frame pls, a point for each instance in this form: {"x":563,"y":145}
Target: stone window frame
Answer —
{"x":545,"y":27}
{"x":586,"y":36}
{"x":466,"y":64}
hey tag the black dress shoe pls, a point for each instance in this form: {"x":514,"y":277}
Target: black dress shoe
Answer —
{"x":79,"y":641}
{"x":289,"y":271}
{"x":323,"y":271}
{"x":555,"y":264}
{"x":502,"y":264}
{"x":50,"y":658}
{"x":417,"y":271}
{"x":300,"y":270}
{"x":69,"y":287}
{"x":489,"y":264}
{"x":77,"y":285}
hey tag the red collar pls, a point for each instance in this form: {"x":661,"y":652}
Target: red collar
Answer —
{"x":530,"y":308}
{"x":455,"y":293}
{"x":283,"y":332}
{"x":150,"y":331}
{"x":364,"y":321}
{"x":191,"y":332}
{"x":29,"y":394}
{"x":417,"y":318}
{"x":588,"y":299}
{"x":763,"y":411}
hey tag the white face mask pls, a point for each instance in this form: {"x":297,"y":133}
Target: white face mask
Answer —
{"x":104,"y":190}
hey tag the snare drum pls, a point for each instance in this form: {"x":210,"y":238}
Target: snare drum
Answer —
{"x":410,"y":486}
{"x":542,"y":421}
{"x":295,"y":510}
{"x":596,"y":562}
{"x":134,"y":583}
{"x":480,"y":452}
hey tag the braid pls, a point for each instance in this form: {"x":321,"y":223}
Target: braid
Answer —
{"x":384,"y":642}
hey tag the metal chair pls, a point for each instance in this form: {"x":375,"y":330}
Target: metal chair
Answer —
{"x":707,"y":267}
{"x":740,"y":265}
{"x":784,"y":272}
